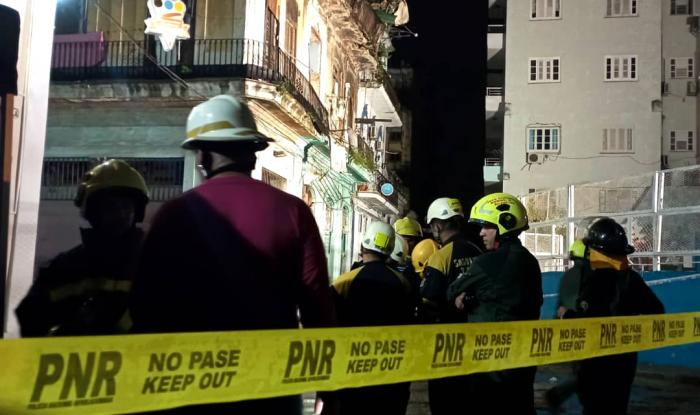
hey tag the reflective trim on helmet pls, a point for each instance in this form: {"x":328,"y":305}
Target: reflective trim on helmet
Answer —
{"x":381,"y":240}
{"x":219,"y":125}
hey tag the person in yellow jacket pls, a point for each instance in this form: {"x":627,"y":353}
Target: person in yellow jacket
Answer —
{"x":374,"y":295}
{"x":446,"y":220}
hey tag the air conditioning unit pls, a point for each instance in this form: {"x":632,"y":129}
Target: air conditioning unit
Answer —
{"x":534,"y":158}
{"x":692,"y":88}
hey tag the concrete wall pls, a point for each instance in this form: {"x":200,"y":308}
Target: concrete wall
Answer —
{"x":131,"y":130}
{"x":582,"y":103}
{"x":680,"y":110}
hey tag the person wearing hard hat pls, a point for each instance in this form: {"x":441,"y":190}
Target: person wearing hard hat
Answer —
{"x":84,"y":291}
{"x":611,"y":289}
{"x":374,"y":295}
{"x":401,"y":262}
{"x":504,"y":284}
{"x":422,"y":253}
{"x":233,"y":253}
{"x":569,"y":289}
{"x":410,"y":230}
{"x":446,"y":221}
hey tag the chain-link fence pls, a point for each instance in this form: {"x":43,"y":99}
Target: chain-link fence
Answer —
{"x":660,"y":211}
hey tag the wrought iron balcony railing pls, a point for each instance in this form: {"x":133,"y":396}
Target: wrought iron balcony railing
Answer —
{"x":227,"y":58}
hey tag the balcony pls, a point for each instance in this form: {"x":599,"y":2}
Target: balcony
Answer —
{"x":371,"y":194}
{"x":380,"y":93}
{"x":492,"y":170}
{"x":358,"y":26}
{"x":218,"y":58}
{"x":494,"y":97}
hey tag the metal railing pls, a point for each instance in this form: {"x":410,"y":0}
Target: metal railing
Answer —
{"x":660,"y":212}
{"x":492,"y":161}
{"x":61,"y":177}
{"x":494,"y":91}
{"x":226,"y":58}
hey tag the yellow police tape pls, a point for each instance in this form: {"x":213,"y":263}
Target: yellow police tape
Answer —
{"x":122,"y":374}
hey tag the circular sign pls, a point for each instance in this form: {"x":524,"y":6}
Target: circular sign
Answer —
{"x":387,"y":189}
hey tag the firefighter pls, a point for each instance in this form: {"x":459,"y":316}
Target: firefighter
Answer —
{"x":374,"y":295}
{"x":612,"y":288}
{"x":234,"y":253}
{"x":446,"y":220}
{"x":505,"y":284}
{"x":569,"y":287}
{"x":410,"y":230}
{"x":84,"y":291}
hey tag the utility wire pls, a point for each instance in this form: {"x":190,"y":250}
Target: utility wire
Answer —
{"x":169,"y":73}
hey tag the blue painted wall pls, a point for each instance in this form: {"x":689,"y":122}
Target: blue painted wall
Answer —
{"x":679,"y":291}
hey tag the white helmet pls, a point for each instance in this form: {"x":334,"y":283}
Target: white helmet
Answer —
{"x":444,"y":208}
{"x":379,"y":237}
{"x":400,"y":252}
{"x":223,"y":119}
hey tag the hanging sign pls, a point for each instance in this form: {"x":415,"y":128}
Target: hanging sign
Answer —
{"x":167,"y":22}
{"x":387,"y":189}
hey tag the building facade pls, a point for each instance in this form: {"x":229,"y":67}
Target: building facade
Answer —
{"x":298,"y":64}
{"x":597,"y":90}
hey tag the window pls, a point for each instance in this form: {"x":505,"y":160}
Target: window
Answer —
{"x":545,"y":9}
{"x":617,"y":140}
{"x":543,"y":139}
{"x":621,"y":68}
{"x":682,"y":68}
{"x":290,"y":31}
{"x":682,"y":141}
{"x":274,"y":180}
{"x":681,"y":7}
{"x":619,"y":8}
{"x":544,"y":70}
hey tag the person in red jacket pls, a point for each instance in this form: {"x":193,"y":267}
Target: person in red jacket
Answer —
{"x":233,"y":253}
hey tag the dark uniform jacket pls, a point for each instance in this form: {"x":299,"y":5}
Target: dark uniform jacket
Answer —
{"x":374,"y":295}
{"x":502,"y":285}
{"x":83,"y":291}
{"x":505,"y":285}
{"x":570,"y":285}
{"x":604,"y":383}
{"x":443,"y":268}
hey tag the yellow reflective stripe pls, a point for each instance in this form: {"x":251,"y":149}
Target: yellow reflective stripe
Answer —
{"x":381,"y":240}
{"x":219,"y":125}
{"x":87,"y":286}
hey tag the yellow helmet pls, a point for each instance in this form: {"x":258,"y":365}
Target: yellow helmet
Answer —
{"x":113,"y":174}
{"x":501,"y":210}
{"x":422,"y":252}
{"x":408,"y":227}
{"x":577,"y":250}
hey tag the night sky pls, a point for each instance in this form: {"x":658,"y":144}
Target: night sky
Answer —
{"x":449,"y":60}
